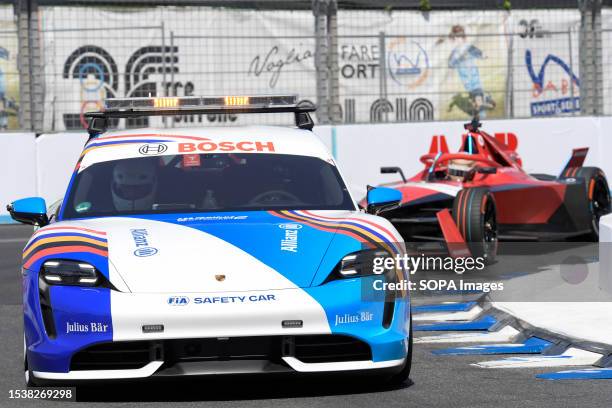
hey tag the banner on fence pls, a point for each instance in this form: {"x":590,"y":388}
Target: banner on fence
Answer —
{"x":546,"y":57}
{"x":443,"y":65}
{"x":9,"y":75}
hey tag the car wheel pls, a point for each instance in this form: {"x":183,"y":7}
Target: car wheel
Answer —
{"x":474,"y":212}
{"x":27,"y":373}
{"x":28,"y":377}
{"x":598,"y":196}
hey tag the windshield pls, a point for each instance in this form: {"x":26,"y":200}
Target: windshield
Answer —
{"x":207,"y":182}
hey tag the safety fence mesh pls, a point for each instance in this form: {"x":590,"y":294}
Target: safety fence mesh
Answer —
{"x":392,"y":65}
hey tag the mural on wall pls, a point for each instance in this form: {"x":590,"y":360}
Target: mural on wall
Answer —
{"x":449,"y":66}
{"x":464,"y":59}
{"x":98,"y":76}
{"x":474,"y":82}
{"x":96,"y":71}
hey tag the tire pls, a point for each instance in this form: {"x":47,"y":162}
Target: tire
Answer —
{"x":29,"y":378}
{"x":474,"y":212}
{"x":27,"y":373}
{"x":598,"y":196}
{"x":404,"y":374}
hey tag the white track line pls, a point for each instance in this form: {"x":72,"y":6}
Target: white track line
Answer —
{"x":504,"y":335}
{"x":449,"y":317}
{"x":571,"y":357}
{"x":12,"y":240}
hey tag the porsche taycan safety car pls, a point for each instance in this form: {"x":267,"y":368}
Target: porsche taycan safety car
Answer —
{"x":481,"y":194}
{"x":203,"y":251}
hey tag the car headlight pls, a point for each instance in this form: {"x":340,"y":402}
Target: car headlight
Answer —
{"x":367,"y":262}
{"x":75,"y":273}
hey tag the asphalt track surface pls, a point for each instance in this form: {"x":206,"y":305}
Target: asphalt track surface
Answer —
{"x":436,"y":381}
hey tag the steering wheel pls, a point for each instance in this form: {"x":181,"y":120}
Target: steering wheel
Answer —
{"x":428,"y":159}
{"x":274,"y":197}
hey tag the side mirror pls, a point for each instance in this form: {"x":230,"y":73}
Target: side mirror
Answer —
{"x":389,"y":170}
{"x":487,"y":170}
{"x":31,"y":210}
{"x":382,"y":198}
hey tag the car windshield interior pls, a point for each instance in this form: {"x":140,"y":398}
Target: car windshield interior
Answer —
{"x":206,"y":183}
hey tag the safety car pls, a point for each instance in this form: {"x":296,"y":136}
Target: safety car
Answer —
{"x":200,"y":251}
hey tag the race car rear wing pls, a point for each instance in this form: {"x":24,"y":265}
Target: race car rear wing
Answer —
{"x":198,"y":105}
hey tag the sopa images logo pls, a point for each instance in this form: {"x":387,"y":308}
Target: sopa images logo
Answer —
{"x":151,"y":149}
{"x":145,"y":251}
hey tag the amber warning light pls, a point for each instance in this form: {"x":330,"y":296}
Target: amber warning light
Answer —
{"x":236,"y":100}
{"x":191,"y":103}
{"x":165,"y":102}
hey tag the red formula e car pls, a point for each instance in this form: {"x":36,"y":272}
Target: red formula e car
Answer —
{"x":481,"y":194}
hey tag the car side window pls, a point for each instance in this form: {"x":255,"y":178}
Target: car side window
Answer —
{"x":54,"y":210}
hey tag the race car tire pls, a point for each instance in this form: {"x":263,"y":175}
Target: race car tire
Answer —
{"x":474,"y":212}
{"x":404,"y":374}
{"x":598,"y":196}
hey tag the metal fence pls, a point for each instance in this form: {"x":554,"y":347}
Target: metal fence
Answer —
{"x":241,"y":65}
{"x":451,"y":77}
{"x":606,"y":84}
{"x":359,"y":66}
{"x":79,"y":73}
{"x":9,"y":80}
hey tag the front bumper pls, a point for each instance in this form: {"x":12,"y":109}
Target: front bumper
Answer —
{"x":334,"y":310}
{"x":158,"y":369}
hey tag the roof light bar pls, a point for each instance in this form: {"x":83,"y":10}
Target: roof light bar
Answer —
{"x":199,"y":105}
{"x":195,"y":102}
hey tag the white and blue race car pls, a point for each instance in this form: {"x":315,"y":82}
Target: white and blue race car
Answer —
{"x":203,"y":251}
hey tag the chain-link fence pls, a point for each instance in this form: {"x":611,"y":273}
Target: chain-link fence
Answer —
{"x":79,"y":72}
{"x":606,"y":40}
{"x":9,"y":75}
{"x":181,"y":51}
{"x":242,"y":65}
{"x":9,"y":81}
{"x":454,"y":65}
{"x":455,"y":76}
{"x":359,"y":66}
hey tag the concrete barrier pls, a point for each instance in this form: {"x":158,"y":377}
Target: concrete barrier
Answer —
{"x":17,"y":169}
{"x":56,"y":155}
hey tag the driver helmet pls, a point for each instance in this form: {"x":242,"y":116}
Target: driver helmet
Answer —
{"x":134,"y":185}
{"x":459,"y":168}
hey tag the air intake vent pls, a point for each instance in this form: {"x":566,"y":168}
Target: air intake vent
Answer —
{"x":45,"y":308}
{"x":330,"y":348}
{"x":114,"y":356}
{"x":136,"y":354}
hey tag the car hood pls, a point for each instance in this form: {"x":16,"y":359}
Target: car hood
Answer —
{"x":223,"y":251}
